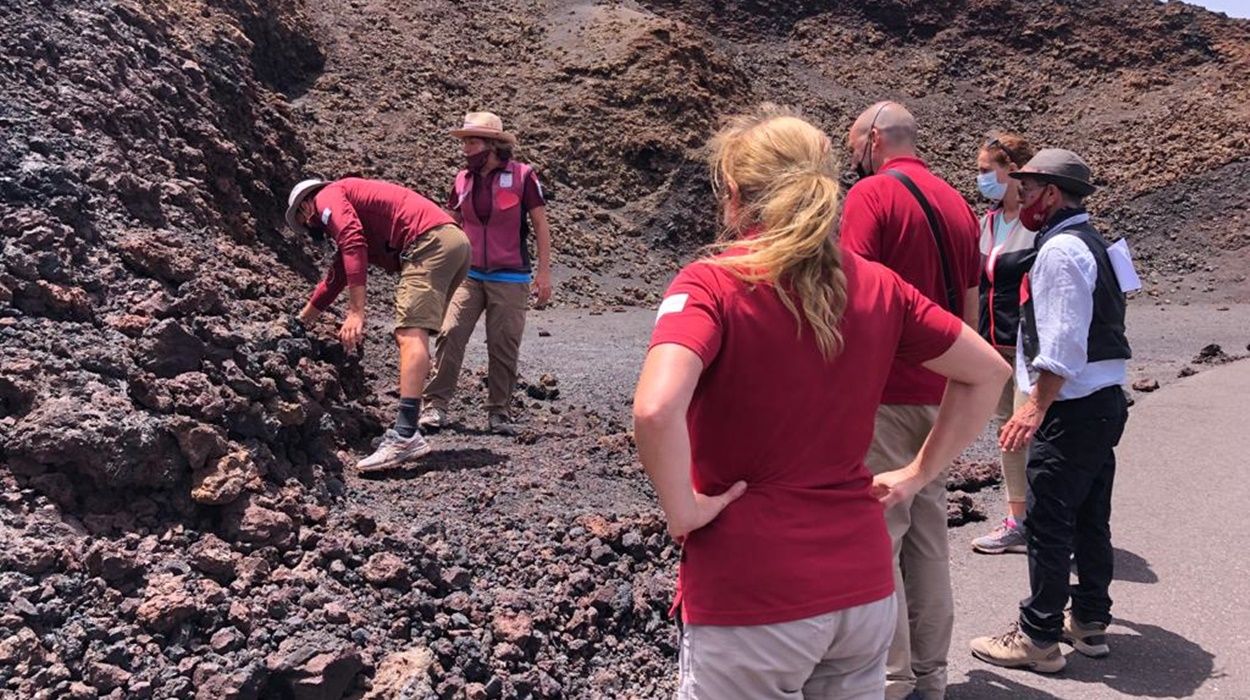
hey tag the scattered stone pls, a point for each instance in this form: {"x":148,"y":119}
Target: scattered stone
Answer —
{"x":403,"y":674}
{"x":314,"y":666}
{"x":1146,"y":385}
{"x":385,"y":569}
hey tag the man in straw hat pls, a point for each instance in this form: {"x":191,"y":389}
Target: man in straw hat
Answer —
{"x":1070,"y":359}
{"x":377,"y":222}
{"x":497,"y":200}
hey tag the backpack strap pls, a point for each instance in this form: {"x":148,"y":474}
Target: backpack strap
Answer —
{"x":939,"y":236}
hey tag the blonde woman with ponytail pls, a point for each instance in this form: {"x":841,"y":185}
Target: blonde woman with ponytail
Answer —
{"x":753,"y":414}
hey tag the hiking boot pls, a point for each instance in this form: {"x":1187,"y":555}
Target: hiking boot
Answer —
{"x":432,"y":419}
{"x":1007,"y":537}
{"x":1016,"y":650}
{"x":501,"y":424}
{"x":394,"y":451}
{"x":1089,"y":638}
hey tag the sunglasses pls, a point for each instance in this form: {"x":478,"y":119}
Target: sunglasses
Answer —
{"x":995,"y":143}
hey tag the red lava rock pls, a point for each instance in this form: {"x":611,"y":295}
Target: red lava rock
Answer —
{"x":111,"y":564}
{"x":224,"y":640}
{"x":168,"y":602}
{"x":214,"y":557}
{"x":385,"y":569}
{"x":517,"y":628}
{"x":247,"y":520}
{"x":336,"y":613}
{"x":106,"y":677}
{"x":314,"y":666}
{"x":403,"y":674}
{"x":225,"y":479}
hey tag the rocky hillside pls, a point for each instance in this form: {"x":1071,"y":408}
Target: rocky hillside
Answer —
{"x":175,"y":520}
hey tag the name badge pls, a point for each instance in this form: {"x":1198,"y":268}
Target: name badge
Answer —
{"x":505,"y":180}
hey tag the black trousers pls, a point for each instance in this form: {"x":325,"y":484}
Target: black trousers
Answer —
{"x":1070,"y":472}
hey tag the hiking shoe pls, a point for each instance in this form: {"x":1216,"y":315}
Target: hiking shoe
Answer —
{"x":1016,"y":650}
{"x":1089,"y":638}
{"x":501,"y":424}
{"x":432,"y":418}
{"x":1007,"y":537}
{"x":394,"y":451}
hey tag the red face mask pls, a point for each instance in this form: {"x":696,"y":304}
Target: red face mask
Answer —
{"x":1034,"y":215}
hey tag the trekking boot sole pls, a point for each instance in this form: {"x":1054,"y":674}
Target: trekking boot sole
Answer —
{"x":1038,"y":666}
{"x":1093,"y":651}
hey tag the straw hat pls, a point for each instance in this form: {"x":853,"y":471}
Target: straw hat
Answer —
{"x":298,"y":194}
{"x":483,"y":125}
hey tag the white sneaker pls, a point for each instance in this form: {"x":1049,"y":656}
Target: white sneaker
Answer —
{"x":394,"y":451}
{"x":432,"y":418}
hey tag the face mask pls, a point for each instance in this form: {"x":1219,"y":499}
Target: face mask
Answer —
{"x":1034,"y":216}
{"x":477,"y":161}
{"x":990,"y":187}
{"x":862,"y":171}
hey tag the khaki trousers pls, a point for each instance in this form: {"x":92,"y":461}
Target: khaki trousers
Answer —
{"x":1013,"y":462}
{"x":922,"y":578}
{"x":504,"y":304}
{"x":835,"y":656}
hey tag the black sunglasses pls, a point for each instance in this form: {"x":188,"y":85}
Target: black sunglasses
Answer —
{"x":995,"y":143}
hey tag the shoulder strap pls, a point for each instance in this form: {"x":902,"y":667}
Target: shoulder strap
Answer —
{"x":939,"y":237}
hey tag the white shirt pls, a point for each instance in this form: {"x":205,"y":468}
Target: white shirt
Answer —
{"x":1061,"y":285}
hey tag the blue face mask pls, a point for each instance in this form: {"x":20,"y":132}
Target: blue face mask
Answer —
{"x":990,"y":187}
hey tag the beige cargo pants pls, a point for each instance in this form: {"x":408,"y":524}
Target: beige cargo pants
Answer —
{"x":922,"y":577}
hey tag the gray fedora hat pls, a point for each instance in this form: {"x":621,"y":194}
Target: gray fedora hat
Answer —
{"x":1059,"y":166}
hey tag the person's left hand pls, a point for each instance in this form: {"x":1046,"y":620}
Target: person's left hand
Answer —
{"x":898,"y":486}
{"x":706,"y":508}
{"x":1018,"y":432}
{"x":352,"y":331}
{"x":542,"y":287}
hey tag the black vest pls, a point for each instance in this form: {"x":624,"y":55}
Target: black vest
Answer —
{"x":1107,"y":340}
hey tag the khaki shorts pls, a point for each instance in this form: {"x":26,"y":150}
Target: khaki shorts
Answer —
{"x":433,"y":266}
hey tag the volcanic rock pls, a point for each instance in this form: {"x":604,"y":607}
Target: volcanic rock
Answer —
{"x":314,"y":666}
{"x":403,"y":674}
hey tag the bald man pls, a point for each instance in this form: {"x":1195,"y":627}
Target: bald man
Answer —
{"x":884,"y":219}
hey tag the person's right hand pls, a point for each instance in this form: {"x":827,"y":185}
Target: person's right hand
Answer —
{"x":352,"y":331}
{"x":309,"y":315}
{"x":899,"y":486}
{"x":706,"y":508}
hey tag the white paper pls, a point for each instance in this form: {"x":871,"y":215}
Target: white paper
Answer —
{"x":1122,"y":263}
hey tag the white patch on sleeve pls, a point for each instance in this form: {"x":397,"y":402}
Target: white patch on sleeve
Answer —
{"x":325,"y":216}
{"x":671,"y":305}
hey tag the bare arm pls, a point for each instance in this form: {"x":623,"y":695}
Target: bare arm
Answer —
{"x":542,"y":236}
{"x":972,"y":307}
{"x":975,"y":375}
{"x":353,"y":328}
{"x":669,"y":376}
{"x":1018,"y":431}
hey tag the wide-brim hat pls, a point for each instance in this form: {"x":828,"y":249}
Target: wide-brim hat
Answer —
{"x":483,"y":125}
{"x":1061,"y":167}
{"x":299,"y":193}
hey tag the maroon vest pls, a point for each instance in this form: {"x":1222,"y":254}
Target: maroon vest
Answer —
{"x":498,"y":244}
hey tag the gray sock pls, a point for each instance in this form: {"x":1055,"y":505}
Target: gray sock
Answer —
{"x":406,"y":421}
